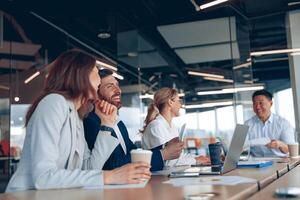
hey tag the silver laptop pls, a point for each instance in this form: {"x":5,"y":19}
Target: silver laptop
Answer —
{"x":231,"y":160}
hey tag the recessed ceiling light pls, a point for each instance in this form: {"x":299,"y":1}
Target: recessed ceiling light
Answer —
{"x":132,"y":54}
{"x":104,"y":34}
{"x":17,"y":99}
{"x":174,"y":75}
{"x":246,"y":75}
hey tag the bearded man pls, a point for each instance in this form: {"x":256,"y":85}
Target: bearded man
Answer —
{"x":110,"y":91}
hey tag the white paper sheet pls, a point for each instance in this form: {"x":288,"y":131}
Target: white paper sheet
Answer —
{"x":118,"y":186}
{"x":210,"y":180}
{"x":181,"y":133}
{"x":259,"y":141}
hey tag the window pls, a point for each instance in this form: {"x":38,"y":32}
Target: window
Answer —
{"x":284,"y":105}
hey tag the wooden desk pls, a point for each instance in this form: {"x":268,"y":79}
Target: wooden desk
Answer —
{"x":264,"y":175}
{"x":293,"y":162}
{"x":155,"y":189}
{"x":291,"y":179}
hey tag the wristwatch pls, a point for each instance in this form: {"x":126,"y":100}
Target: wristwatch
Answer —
{"x":106,"y":128}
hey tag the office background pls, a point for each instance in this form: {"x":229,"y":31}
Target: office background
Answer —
{"x":216,"y":58}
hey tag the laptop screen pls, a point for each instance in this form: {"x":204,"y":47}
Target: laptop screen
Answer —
{"x":235,"y":147}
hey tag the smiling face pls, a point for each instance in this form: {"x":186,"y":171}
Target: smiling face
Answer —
{"x":262,"y":107}
{"x":110,"y":91}
{"x":175,"y":104}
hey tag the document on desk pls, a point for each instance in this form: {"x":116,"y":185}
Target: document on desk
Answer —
{"x":168,"y":170}
{"x":118,"y":186}
{"x":259,"y":141}
{"x":210,"y":180}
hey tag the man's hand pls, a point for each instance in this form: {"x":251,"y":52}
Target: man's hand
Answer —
{"x":172,"y":149}
{"x":277,"y":144}
{"x":106,"y":112}
{"x":203,"y":160}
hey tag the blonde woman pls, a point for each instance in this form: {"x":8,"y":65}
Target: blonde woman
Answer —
{"x":159,"y":128}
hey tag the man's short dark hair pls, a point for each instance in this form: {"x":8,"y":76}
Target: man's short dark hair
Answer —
{"x":105,"y":72}
{"x":262,"y":92}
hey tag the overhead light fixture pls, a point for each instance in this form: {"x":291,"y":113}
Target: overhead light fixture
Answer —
{"x":151,"y":78}
{"x":30,"y":78}
{"x":278,"y":51}
{"x":181,"y":94}
{"x":17,"y":99}
{"x":218,"y":79}
{"x":173,"y":75}
{"x":147,"y":96}
{"x":248,"y":82}
{"x":246,"y":75}
{"x":208,"y":105}
{"x":132,"y":54}
{"x":104,"y":34}
{"x":118,"y":76}
{"x":295,"y":54}
{"x":293,"y":3}
{"x":231,"y":90}
{"x":210,"y":4}
{"x":3,"y":87}
{"x":105,"y":65}
{"x":244,"y":65}
{"x":205,"y":74}
{"x":270,"y":60}
{"x":197,"y":8}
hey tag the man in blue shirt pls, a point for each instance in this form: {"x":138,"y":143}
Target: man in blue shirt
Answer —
{"x":111,"y":92}
{"x":269,"y":128}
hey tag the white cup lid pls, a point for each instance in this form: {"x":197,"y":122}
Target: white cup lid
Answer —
{"x":142,"y":151}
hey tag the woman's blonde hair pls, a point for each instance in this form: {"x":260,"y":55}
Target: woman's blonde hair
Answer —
{"x":161,"y":98}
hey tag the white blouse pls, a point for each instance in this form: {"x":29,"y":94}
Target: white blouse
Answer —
{"x":158,"y":132}
{"x":55,"y":153}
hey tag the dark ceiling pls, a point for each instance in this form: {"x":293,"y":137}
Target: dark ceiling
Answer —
{"x":138,"y":27}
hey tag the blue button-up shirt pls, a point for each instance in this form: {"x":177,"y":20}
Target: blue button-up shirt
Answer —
{"x":275,"y":128}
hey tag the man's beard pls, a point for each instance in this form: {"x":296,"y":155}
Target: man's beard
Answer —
{"x":118,"y":104}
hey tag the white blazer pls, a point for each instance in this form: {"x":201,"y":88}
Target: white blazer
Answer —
{"x":158,"y":132}
{"x":55,"y":153}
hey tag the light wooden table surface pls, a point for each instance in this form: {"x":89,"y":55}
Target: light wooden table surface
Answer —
{"x":290,"y":179}
{"x":156,"y":189}
{"x":264,"y":175}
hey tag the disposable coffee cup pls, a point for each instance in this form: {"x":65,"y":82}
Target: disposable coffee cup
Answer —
{"x":293,"y":149}
{"x":140,"y":155}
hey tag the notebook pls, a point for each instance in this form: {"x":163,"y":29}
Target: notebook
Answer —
{"x":254,"y":164}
